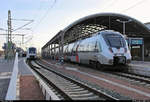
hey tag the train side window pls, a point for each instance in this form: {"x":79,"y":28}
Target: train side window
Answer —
{"x":100,"y":47}
{"x":81,"y":48}
{"x":78,"y":45}
{"x":92,"y":46}
{"x":86,"y":47}
{"x":66,"y":50}
{"x":96,"y":47}
{"x":69,"y":49}
{"x":74,"y":49}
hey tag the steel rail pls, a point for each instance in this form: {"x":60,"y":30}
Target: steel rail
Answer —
{"x":48,"y":82}
{"x":133,"y":76}
{"x":100,"y":94}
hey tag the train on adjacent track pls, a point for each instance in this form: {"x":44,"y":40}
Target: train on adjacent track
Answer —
{"x":31,"y":53}
{"x":103,"y":48}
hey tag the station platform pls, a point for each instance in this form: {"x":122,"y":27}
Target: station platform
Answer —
{"x":141,"y":63}
{"x":6,"y":68}
{"x":27,"y":86}
{"x":140,"y":67}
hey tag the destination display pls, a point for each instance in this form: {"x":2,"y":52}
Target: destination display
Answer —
{"x":136,"y":41}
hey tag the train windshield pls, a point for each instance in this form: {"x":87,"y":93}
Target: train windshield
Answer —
{"x":32,"y":50}
{"x":114,"y":40}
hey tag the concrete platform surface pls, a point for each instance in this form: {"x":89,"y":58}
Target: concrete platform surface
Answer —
{"x":141,"y":62}
{"x":6,"y":68}
{"x":23,"y":70}
{"x":4,"y":83}
{"x":145,"y":64}
{"x":30,"y":89}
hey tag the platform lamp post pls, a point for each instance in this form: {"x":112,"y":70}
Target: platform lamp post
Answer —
{"x":124,"y":27}
{"x":124,"y":22}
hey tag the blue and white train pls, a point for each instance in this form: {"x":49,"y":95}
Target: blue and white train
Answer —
{"x":31,"y":53}
{"x":104,"y":48}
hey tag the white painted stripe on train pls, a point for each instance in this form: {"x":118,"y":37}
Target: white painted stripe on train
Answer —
{"x":116,"y":84}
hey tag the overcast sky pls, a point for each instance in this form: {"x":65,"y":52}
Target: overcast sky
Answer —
{"x":51,"y":16}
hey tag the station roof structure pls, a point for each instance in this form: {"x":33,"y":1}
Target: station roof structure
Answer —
{"x":147,"y":25}
{"x":92,"y":24}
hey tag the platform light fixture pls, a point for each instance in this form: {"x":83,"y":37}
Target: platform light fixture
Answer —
{"x":124,"y":22}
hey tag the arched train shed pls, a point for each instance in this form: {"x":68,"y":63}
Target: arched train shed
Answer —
{"x":91,"y":24}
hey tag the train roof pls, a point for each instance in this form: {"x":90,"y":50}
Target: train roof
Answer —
{"x":31,"y":47}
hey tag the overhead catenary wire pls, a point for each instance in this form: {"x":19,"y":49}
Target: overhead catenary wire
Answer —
{"x":39,"y":8}
{"x":110,"y":4}
{"x":134,"y":5}
{"x":46,"y":13}
{"x":29,"y":22}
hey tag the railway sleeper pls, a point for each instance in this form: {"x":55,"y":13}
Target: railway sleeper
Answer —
{"x":79,"y":92}
{"x":70,"y":87}
{"x":136,"y":78}
{"x":74,"y":90}
{"x":67,"y":84}
{"x":143,"y":78}
{"x":82,"y":95}
{"x":147,"y":85}
{"x":76,"y":87}
{"x":89,"y":98}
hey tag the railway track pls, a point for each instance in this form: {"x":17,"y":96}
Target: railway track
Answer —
{"x":134,"y":78}
{"x":67,"y":88}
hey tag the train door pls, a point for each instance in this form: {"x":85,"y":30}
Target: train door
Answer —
{"x":136,"y":52}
